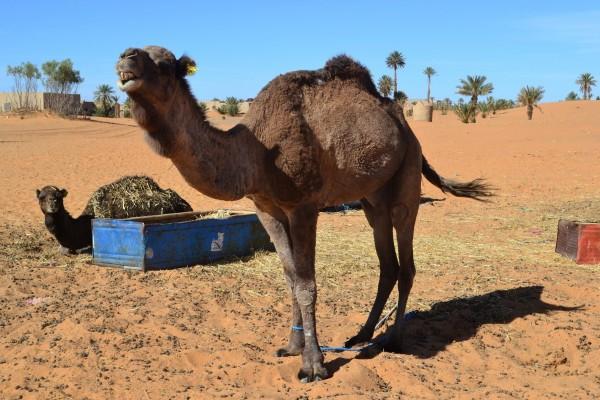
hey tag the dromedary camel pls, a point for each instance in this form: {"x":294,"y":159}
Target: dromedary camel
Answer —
{"x":311,"y":139}
{"x":129,"y":196}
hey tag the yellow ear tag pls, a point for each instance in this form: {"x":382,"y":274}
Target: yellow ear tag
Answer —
{"x":191,"y":69}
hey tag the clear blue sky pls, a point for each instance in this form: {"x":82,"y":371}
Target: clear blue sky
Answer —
{"x":240,"y":45}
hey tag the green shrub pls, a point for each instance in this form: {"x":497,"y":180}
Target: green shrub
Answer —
{"x":231,"y":107}
{"x":465,"y":112}
{"x":400,"y":96}
{"x":503,"y":104}
{"x":484,"y":108}
{"x":572,"y":96}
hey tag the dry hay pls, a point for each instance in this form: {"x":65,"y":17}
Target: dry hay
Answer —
{"x":218,"y":214}
{"x":134,"y":196}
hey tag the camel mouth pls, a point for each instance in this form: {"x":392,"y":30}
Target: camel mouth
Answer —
{"x":50,"y":208}
{"x":126,"y":76}
{"x":128,"y":81}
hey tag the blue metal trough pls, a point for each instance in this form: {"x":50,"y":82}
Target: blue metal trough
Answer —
{"x":175,"y":240}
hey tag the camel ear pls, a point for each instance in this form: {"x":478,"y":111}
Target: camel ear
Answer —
{"x":186,"y":66}
{"x":37,"y":193}
{"x":63,"y":193}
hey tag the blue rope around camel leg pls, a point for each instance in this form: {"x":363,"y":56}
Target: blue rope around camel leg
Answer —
{"x":334,"y":349}
{"x":408,"y":316}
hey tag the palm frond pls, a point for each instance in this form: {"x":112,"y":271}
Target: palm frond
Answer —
{"x":530,"y":95}
{"x":395,"y":60}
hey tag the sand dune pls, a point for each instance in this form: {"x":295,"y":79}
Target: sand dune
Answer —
{"x":492,"y":297}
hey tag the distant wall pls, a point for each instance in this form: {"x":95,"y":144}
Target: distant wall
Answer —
{"x":8,"y":101}
{"x":62,"y":103}
{"x":41,"y":101}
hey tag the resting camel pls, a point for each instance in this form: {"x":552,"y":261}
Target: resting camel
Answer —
{"x":73,"y":234}
{"x":311,"y":139}
{"x":129,"y":196}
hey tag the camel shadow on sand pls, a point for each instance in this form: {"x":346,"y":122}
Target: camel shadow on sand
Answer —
{"x":430,"y":332}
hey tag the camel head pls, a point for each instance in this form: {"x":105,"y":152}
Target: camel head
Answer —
{"x":51,"y":199}
{"x":151,"y":74}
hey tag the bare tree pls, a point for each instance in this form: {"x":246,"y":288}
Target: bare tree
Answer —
{"x":26,"y":78}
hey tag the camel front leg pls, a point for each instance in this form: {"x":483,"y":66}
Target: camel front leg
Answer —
{"x":276,"y":224}
{"x":303,"y":232}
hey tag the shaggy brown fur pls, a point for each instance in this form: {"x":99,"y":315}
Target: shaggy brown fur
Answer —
{"x":310,"y":139}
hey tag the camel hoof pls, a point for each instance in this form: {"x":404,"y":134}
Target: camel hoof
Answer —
{"x":315,"y":373}
{"x":285,"y":352}
{"x":360,"y":338}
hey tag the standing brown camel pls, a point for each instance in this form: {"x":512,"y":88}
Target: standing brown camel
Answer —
{"x":311,"y":139}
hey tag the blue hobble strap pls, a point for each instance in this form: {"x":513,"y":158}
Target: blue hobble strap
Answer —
{"x":340,"y":349}
{"x":297,"y":328}
{"x":407,"y":317}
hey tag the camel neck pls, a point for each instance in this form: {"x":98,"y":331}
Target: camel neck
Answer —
{"x":57,"y":223}
{"x":72,"y":233}
{"x":215,"y":162}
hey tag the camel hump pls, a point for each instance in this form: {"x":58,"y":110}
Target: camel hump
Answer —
{"x":346,"y":68}
{"x":341,"y":67}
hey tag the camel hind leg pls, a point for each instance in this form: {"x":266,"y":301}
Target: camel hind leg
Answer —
{"x":378,"y":215}
{"x":395,"y":206}
{"x":404,"y":208}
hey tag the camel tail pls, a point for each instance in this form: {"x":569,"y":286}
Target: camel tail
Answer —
{"x":477,"y":189}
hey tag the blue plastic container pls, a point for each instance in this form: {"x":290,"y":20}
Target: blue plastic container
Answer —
{"x":175,"y":240}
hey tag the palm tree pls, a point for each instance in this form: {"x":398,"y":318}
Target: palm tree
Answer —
{"x":585,"y":82}
{"x":395,"y":60}
{"x":105,"y":98}
{"x":429,"y":71}
{"x":446,"y":104}
{"x":385,"y":85}
{"x":491,"y":102}
{"x":530,"y":96}
{"x":474,"y":86}
{"x":127,"y":107}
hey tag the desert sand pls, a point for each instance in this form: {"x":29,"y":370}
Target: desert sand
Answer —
{"x":498,"y":314}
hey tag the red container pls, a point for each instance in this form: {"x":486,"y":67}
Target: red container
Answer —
{"x":579,"y":241}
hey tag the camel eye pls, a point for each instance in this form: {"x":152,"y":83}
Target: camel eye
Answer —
{"x":165,"y":67}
